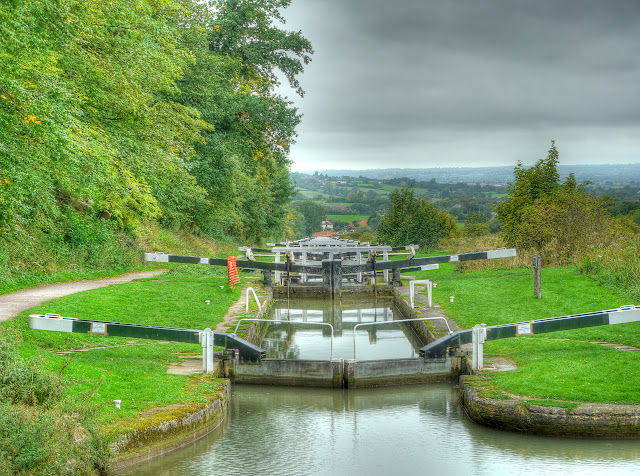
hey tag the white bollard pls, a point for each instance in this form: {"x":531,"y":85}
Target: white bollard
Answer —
{"x":277,"y":273}
{"x":478,"y":337}
{"x":206,"y":339}
{"x":117,"y":402}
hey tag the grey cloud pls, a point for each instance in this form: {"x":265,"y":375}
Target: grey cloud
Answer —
{"x":387,"y":75}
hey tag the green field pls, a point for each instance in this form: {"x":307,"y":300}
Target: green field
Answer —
{"x":105,"y":374}
{"x":564,"y":365}
{"x":348,"y":218}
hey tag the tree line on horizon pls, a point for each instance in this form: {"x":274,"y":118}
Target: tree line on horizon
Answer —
{"x":539,"y":213}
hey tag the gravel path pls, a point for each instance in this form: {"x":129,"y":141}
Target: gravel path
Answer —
{"x":13,"y":304}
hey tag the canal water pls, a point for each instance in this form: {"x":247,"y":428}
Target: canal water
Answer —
{"x":418,"y":429}
{"x":395,"y":430}
{"x":310,"y":325}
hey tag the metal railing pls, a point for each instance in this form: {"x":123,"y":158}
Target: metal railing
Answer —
{"x":256,"y":298}
{"x":277,"y":321}
{"x":394,"y":322}
{"x":412,"y":291}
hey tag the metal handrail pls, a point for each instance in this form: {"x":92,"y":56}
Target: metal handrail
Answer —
{"x":257,"y":300}
{"x":273,"y":321}
{"x":412,"y":291}
{"x":400,"y":321}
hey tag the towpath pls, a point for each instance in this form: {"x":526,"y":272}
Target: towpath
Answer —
{"x":14,"y":303}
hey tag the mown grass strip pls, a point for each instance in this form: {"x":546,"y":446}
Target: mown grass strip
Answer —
{"x":133,"y":371}
{"x":559,"y":366}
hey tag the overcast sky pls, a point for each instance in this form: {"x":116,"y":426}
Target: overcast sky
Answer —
{"x":446,"y":83}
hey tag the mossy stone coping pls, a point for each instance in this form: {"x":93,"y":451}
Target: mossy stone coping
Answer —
{"x":570,"y":419}
{"x":161,"y":430}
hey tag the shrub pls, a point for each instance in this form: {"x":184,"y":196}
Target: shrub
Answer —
{"x":617,"y":268}
{"x":413,"y":220}
{"x":39,"y":432}
{"x":559,"y":221}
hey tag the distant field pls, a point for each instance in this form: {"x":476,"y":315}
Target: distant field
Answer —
{"x":391,"y":188}
{"x":347,"y":218}
{"x":309,"y":194}
{"x":333,"y":207}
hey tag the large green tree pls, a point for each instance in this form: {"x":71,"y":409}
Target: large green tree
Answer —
{"x":243,"y":163}
{"x":541,"y":180}
{"x":558,"y":219}
{"x":413,"y":220}
{"x":117,"y":112}
{"x":86,"y":121}
{"x":113,"y":114}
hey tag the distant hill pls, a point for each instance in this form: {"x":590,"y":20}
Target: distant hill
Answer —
{"x":609,"y":174}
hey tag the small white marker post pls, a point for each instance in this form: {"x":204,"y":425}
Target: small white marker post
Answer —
{"x":207,"y":350}
{"x":478,"y":336}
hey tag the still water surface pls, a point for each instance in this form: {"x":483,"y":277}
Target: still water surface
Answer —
{"x":398,"y":430}
{"x":307,"y":333}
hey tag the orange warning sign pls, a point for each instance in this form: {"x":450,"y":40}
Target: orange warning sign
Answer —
{"x":232,"y":270}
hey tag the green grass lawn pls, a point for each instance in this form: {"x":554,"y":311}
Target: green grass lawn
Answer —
{"x":555,"y":366}
{"x":560,"y":365}
{"x":348,"y":218}
{"x":136,"y":373}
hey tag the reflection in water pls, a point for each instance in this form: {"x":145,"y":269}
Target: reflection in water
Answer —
{"x":399,"y":430}
{"x":308,"y":337}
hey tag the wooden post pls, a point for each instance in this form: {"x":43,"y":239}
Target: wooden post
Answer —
{"x":537,"y":276}
{"x":336,"y":271}
{"x":385,"y":273}
{"x":396,"y":277}
{"x":326,"y":275}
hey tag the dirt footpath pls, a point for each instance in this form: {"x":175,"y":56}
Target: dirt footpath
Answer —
{"x":13,"y":304}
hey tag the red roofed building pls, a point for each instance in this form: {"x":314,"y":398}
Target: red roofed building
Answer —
{"x":323,"y":233}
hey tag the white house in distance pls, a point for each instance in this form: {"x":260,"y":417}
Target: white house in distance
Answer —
{"x":327,"y":224}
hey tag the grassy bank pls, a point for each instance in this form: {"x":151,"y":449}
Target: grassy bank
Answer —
{"x":57,"y":412}
{"x":554,"y":366}
{"x":30,"y":263}
{"x":107,"y":373}
{"x":60,"y":394}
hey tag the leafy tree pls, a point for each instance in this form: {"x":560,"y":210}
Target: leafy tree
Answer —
{"x":373,"y":220}
{"x":113,"y":113}
{"x":243,"y":163}
{"x":559,"y":220}
{"x":541,"y":180}
{"x":340,"y":225}
{"x":412,"y":220}
{"x":475,"y":227}
{"x":313,"y":214}
{"x":293,"y":225}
